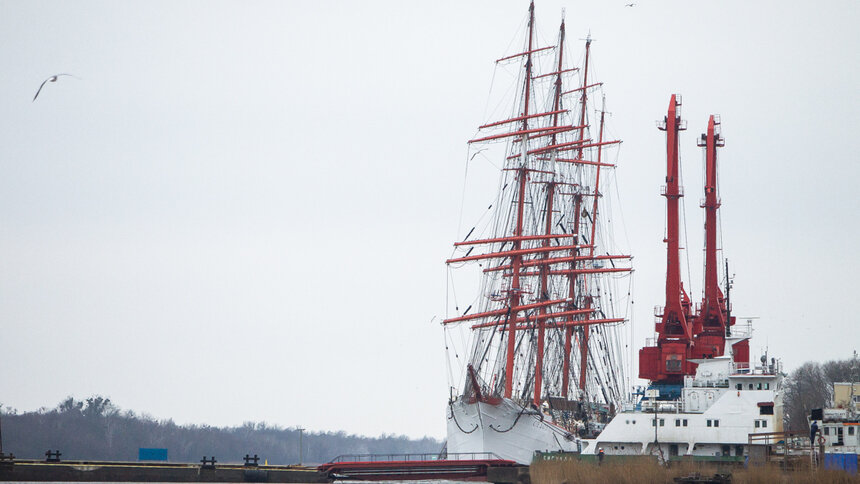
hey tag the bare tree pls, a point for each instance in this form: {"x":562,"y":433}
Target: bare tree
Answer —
{"x":806,"y":388}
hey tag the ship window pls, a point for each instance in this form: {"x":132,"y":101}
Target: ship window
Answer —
{"x":826,"y":430}
{"x":767,"y":386}
{"x":740,"y":386}
{"x":662,"y":422}
{"x":750,"y":386}
{"x":758,"y":387}
{"x":653,"y":422}
{"x":685,"y":422}
{"x":766,"y":410}
{"x":850,"y":430}
{"x":709,"y":422}
{"x":757,"y":424}
{"x":764,"y":423}
{"x":673,"y":364}
{"x":716,"y":423}
{"x":677,"y":422}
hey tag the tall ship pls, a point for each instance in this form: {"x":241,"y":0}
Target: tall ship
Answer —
{"x":539,"y":356}
{"x":705,"y":396}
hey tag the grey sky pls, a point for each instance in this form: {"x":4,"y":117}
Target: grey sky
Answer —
{"x":242,"y":209}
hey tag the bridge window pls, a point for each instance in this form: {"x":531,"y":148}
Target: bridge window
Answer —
{"x":673,"y":364}
{"x":765,"y":410}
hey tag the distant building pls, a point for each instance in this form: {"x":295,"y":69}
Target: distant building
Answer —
{"x":845,"y":393}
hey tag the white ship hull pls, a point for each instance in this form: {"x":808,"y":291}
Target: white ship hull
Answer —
{"x":504,"y":429}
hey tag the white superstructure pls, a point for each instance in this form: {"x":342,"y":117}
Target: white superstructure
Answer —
{"x":717,"y":410}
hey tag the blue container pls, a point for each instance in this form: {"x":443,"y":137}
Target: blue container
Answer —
{"x":152,"y":454}
{"x":843,"y":462}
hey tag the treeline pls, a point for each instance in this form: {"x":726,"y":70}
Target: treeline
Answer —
{"x":811,"y":386}
{"x":96,"y":429}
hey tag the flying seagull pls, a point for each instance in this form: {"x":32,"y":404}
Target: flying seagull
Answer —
{"x":629,"y":4}
{"x":51,"y":79}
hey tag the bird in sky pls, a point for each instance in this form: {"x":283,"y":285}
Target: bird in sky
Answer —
{"x":51,"y":79}
{"x":629,"y":4}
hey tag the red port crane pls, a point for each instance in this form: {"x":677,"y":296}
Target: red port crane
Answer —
{"x":667,"y":362}
{"x":713,"y":322}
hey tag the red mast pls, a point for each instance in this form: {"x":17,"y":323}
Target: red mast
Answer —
{"x":583,"y":341}
{"x":583,"y":365}
{"x":522,"y":175}
{"x":667,"y":362}
{"x":568,"y":332}
{"x":550,"y":194}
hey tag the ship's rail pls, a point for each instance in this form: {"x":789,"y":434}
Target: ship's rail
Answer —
{"x":663,"y":406}
{"x":782,"y":443}
{"x":741,"y":329}
{"x":743,"y":368}
{"x":690,"y":381}
{"x":464,"y":456}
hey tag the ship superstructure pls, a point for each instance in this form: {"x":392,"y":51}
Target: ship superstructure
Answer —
{"x":704,"y":396}
{"x":544,"y":363}
{"x":839,"y":425}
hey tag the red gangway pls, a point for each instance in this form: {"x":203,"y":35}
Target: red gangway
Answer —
{"x":388,"y":467}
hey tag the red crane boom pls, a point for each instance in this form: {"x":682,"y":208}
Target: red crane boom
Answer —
{"x":667,"y":362}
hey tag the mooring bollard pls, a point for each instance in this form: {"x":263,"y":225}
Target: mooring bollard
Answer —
{"x":252,"y":461}
{"x":52,"y":456}
{"x":6,"y":460}
{"x":208,"y":463}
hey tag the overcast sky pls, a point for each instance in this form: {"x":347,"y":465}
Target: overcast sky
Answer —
{"x":241,"y":210}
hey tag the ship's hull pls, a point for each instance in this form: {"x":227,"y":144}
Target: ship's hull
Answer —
{"x":504,"y":429}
